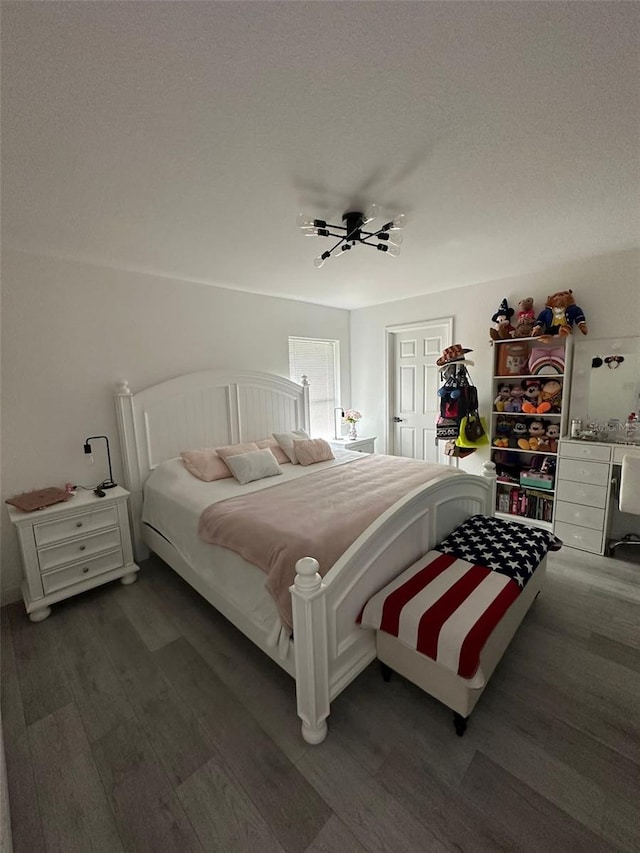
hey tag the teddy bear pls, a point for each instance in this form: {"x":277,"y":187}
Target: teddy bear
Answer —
{"x":559,"y":315}
{"x":504,"y":392}
{"x":525,"y":318}
{"x":501,"y":320}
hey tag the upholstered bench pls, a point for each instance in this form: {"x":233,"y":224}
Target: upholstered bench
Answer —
{"x":446,"y":621}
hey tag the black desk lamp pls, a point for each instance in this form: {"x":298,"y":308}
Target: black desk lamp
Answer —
{"x":105,"y":484}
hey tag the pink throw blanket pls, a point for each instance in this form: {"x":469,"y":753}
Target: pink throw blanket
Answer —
{"x":316,"y":516}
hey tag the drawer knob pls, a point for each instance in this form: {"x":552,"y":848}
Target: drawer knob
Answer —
{"x":85,"y":570}
{"x":83,"y":547}
{"x":78,"y":524}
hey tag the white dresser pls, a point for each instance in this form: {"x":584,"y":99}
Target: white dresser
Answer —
{"x":361,"y":445}
{"x":583,"y":492}
{"x":73,"y":546}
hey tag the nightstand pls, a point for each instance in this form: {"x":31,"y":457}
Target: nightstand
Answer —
{"x":360,"y":445}
{"x":73,"y":546}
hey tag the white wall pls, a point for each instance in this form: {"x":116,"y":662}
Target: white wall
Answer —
{"x":70,"y":331}
{"x":607,"y":288}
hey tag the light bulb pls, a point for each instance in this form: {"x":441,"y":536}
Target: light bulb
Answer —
{"x":343,"y":251}
{"x":316,"y":232}
{"x":305,"y":221}
{"x":395,"y":239}
{"x":319,"y":261}
{"x":370,"y":213}
{"x":393,"y":250}
{"x":90,"y":458}
{"x":399,"y":222}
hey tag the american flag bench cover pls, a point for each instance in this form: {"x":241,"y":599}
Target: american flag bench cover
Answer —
{"x":445,"y":606}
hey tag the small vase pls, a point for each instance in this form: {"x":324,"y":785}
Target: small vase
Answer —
{"x":353,"y":432}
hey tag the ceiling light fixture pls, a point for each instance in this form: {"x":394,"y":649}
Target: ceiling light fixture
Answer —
{"x":352,"y":232}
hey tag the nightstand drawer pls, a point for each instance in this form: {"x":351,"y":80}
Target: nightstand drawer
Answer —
{"x":78,"y":572}
{"x":78,"y":549}
{"x":579,"y":537}
{"x":75,"y":525}
{"x":585,"y":516}
{"x":593,"y":473}
{"x":582,"y":493}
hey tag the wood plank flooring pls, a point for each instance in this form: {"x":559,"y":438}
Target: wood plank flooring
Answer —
{"x":137,"y":719}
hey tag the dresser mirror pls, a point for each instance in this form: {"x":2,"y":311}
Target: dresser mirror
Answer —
{"x":605,"y":387}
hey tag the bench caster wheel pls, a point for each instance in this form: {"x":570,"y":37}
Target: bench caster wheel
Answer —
{"x":386,"y":671}
{"x":460,"y":723}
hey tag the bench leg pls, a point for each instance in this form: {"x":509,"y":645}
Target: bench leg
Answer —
{"x":460,"y":723}
{"x":386,"y":671}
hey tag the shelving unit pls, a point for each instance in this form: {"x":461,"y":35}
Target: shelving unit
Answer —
{"x":518,"y":451}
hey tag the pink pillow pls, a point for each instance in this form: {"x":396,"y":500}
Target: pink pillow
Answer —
{"x":205,"y":464}
{"x":235,"y":449}
{"x":312,"y":450}
{"x":274,"y":447}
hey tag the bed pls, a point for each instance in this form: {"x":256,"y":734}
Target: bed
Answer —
{"x":328,"y":648}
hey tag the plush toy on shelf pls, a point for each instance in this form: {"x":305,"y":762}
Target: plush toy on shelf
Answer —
{"x":531,"y":396}
{"x":536,"y":432}
{"x":501,"y":320}
{"x":552,"y":435}
{"x":550,"y":397}
{"x":518,"y":434}
{"x":504,"y":393}
{"x":514,"y":403}
{"x":525,"y":318}
{"x":559,"y":315}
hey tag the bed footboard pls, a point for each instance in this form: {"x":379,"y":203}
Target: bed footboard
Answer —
{"x":331,"y":649}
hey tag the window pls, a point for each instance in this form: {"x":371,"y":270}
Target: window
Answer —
{"x":319,"y":360}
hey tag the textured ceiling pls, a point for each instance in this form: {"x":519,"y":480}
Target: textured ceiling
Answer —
{"x":182,"y":139}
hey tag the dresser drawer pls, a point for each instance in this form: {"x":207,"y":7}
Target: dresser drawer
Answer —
{"x":75,"y":525}
{"x":53,"y":581}
{"x":585,"y":516}
{"x":591,"y":473}
{"x":80,"y":548}
{"x":579,"y":537}
{"x":582,"y":493}
{"x":594,"y":452}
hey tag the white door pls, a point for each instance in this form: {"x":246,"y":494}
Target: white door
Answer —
{"x":415,"y":379}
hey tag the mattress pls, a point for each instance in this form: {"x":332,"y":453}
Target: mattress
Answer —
{"x":173,"y":502}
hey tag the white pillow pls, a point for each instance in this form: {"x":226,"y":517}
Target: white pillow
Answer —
{"x":286,"y":439}
{"x":255,"y":465}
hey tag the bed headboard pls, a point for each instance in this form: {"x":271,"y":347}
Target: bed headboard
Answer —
{"x":210,"y":408}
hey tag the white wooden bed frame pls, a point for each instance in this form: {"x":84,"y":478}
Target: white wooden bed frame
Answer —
{"x":218,"y":407}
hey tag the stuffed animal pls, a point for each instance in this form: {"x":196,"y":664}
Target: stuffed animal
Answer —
{"x":504,"y":392}
{"x":531,"y":396}
{"x":550,"y":397}
{"x":559,"y":315}
{"x":501,"y":320}
{"x":525,"y":318}
{"x":552,"y":435}
{"x":514,"y":403}
{"x":536,"y":431}
{"x":518,"y":432}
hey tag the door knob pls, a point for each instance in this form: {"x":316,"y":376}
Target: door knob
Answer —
{"x":398,"y":420}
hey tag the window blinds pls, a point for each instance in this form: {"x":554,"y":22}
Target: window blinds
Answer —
{"x":319,"y":360}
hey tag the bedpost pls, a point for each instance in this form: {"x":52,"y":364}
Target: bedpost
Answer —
{"x":310,"y":647}
{"x":306,"y":416}
{"x":489,"y":471}
{"x":129,"y":449}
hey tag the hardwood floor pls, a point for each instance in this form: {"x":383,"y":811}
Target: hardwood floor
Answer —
{"x":137,"y":719}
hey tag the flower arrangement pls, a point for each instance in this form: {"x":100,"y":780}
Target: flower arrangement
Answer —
{"x":352,"y":416}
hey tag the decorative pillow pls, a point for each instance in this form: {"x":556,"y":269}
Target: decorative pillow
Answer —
{"x":205,"y":464}
{"x":275,"y":448}
{"x":312,"y":450}
{"x":256,"y":465}
{"x":286,"y":439}
{"x":235,"y":449}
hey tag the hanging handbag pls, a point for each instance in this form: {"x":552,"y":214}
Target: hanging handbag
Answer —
{"x":473,"y":431}
{"x":446,"y":428}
